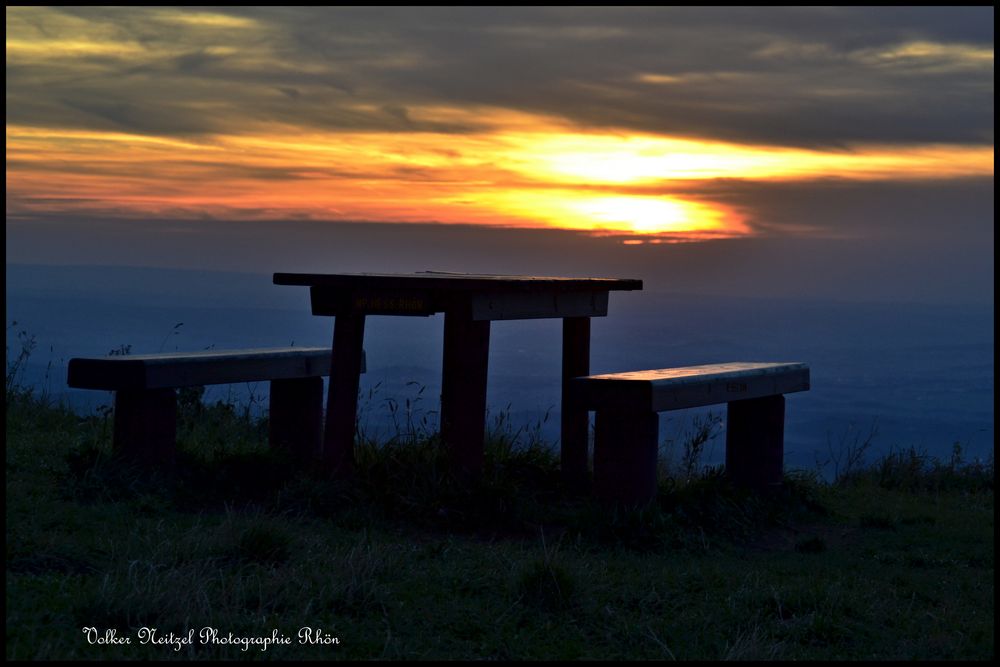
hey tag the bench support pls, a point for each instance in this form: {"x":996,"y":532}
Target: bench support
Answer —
{"x":755,"y":435}
{"x":342,"y":396}
{"x":626,"y":444}
{"x":463,"y":392}
{"x":627,"y":403}
{"x":575,"y":420}
{"x":625,"y":452}
{"x":146,"y":427}
{"x":296,"y":417}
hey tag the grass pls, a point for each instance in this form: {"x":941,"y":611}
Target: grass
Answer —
{"x":893,"y":561}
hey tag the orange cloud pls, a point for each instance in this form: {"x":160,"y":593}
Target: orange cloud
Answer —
{"x":519,"y":170}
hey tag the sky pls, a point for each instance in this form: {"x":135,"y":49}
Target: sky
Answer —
{"x":856,"y":141}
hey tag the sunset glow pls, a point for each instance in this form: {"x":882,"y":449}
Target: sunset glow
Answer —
{"x":543,"y":177}
{"x":275,"y":132}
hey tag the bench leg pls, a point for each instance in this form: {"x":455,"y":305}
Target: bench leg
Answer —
{"x":296,"y":417}
{"x":342,"y":396}
{"x":574,"y":421}
{"x":625,"y":452}
{"x":463,"y":392}
{"x":755,"y":442}
{"x":146,"y":427}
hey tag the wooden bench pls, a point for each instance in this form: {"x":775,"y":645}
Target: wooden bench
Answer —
{"x":626,"y":428}
{"x":145,"y":424}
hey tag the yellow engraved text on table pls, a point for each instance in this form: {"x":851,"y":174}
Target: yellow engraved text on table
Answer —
{"x":394,"y":304}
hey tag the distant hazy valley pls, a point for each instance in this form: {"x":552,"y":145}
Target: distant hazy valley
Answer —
{"x":923,"y":372}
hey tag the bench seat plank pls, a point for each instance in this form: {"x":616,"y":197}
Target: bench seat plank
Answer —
{"x":160,"y":371}
{"x":689,"y":386}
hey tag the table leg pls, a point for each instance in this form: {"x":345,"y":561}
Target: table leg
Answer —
{"x":463,"y":392}
{"x":575,"y":421}
{"x":342,"y":398}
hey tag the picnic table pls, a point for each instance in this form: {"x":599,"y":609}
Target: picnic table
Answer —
{"x":469,"y":303}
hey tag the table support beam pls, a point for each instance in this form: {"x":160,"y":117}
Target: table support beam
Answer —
{"x":342,"y":398}
{"x":575,"y":421}
{"x":463,"y":392}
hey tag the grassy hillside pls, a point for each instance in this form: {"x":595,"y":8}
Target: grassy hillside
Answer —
{"x":891,"y":562}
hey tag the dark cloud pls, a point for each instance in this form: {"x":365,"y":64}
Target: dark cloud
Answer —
{"x":796,"y":76}
{"x":873,"y":212}
{"x":141,"y":117}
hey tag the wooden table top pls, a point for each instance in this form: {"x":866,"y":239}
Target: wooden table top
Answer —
{"x":455,"y":282}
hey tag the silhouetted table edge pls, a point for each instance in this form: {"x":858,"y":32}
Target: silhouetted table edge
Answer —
{"x":469,"y":302}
